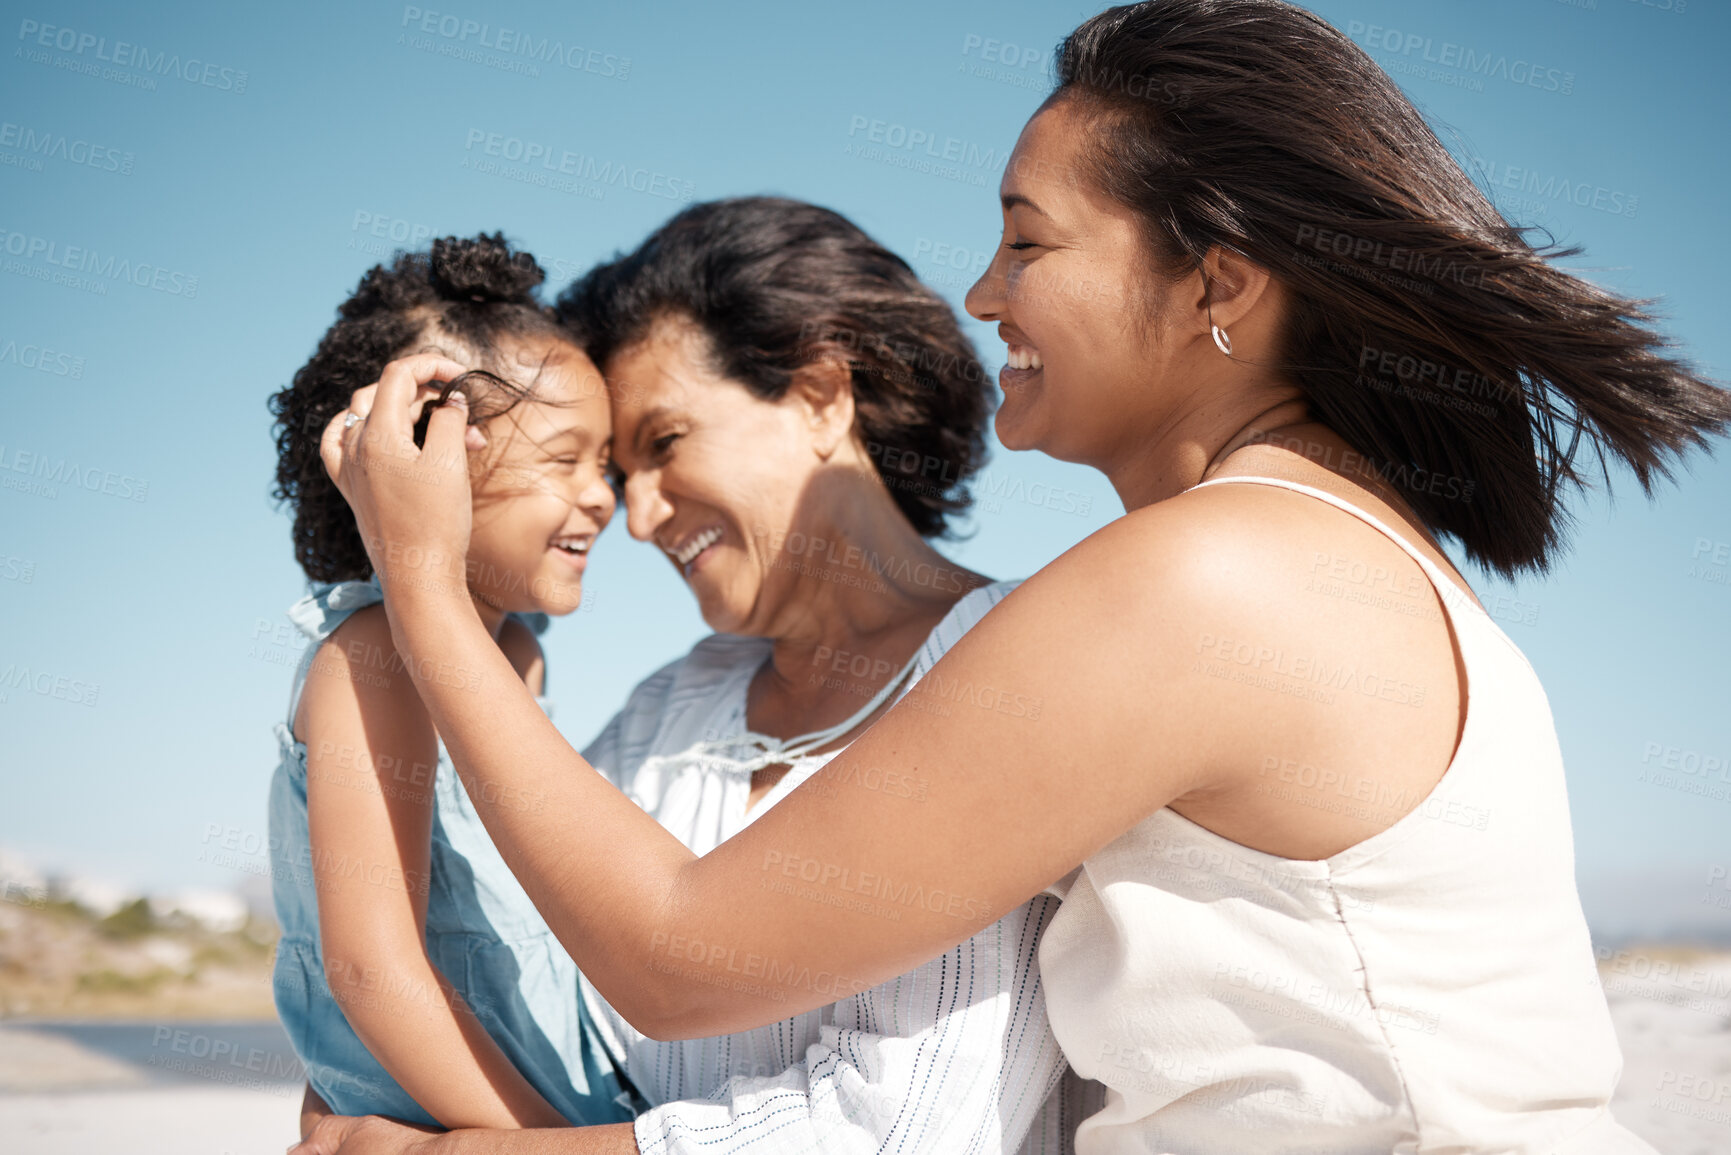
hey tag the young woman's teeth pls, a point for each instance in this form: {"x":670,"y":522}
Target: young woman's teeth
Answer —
{"x":572,"y":544}
{"x":689,"y":551}
{"x":1022,"y":357}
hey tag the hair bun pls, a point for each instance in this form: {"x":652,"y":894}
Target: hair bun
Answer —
{"x":483,"y":269}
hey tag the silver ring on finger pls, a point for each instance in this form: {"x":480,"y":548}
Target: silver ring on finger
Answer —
{"x":351,"y":420}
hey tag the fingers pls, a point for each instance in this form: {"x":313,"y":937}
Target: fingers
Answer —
{"x":350,"y":431}
{"x":447,"y":430}
{"x":331,"y":449}
{"x":392,"y":410}
{"x":327,"y":1135}
{"x":362,"y":400}
{"x":344,"y":443}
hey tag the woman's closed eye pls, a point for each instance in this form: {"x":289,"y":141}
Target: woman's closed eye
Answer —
{"x":1018,"y":246}
{"x":661,"y":445}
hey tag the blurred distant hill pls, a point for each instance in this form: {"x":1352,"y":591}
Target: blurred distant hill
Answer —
{"x":71,"y":948}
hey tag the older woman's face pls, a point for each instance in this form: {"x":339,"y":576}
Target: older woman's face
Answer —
{"x":714,"y":475}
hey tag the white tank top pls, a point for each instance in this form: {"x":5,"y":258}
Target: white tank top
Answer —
{"x":1431,"y":989}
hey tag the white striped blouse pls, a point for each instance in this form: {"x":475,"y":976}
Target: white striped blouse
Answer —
{"x":956,"y":1056}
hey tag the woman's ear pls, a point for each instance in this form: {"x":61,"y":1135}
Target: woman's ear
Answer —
{"x":1231,"y":285}
{"x":823,"y":393}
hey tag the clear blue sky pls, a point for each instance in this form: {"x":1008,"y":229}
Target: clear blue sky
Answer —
{"x":160,"y":575}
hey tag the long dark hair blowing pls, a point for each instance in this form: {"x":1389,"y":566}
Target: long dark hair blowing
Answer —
{"x":1424,"y":329}
{"x":463,"y":296}
{"x":776,"y":285}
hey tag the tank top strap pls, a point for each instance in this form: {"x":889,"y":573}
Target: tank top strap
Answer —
{"x":1453,"y":596}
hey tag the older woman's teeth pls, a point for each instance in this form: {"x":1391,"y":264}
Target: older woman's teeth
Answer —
{"x":696,"y":545}
{"x":572,"y":544}
{"x":1021,"y":357}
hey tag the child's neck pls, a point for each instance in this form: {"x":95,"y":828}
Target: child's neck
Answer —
{"x":491,"y":616}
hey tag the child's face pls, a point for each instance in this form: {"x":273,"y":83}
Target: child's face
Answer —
{"x":540,"y":486}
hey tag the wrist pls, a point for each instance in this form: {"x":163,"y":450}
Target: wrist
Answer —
{"x":423,"y":613}
{"x":423,"y":571}
{"x":425,"y":593}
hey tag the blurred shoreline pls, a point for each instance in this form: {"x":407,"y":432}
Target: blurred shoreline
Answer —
{"x":164,"y":1084}
{"x":148,"y":1025}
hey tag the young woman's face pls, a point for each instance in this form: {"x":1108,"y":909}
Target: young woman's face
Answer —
{"x":541,"y":491}
{"x":1076,"y":302}
{"x":713,"y":474}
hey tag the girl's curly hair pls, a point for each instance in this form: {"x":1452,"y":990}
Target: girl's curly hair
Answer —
{"x":463,"y":297}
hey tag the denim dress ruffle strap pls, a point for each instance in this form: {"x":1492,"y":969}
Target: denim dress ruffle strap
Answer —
{"x":483,"y":933}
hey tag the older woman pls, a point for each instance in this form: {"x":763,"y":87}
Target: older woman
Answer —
{"x":1313,"y":848}
{"x":780,"y":381}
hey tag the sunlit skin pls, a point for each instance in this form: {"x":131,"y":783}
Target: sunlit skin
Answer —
{"x":700,"y":453}
{"x":1132,"y":383}
{"x":1106,"y":637}
{"x":540,"y":497}
{"x":540,"y":485}
{"x":677,"y":428}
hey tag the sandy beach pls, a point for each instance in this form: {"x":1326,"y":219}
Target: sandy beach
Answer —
{"x":190,"y":1088}
{"x":1672,"y":1010}
{"x":233,"y":1088}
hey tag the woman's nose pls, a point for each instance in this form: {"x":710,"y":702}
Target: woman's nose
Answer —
{"x":985,"y":300}
{"x":646,"y":509}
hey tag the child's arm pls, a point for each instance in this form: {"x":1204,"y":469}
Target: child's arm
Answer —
{"x":371,"y":753}
{"x":313,"y":1109}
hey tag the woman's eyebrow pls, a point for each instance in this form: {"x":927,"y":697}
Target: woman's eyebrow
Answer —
{"x":1011,"y":200}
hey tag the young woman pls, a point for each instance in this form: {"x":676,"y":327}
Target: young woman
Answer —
{"x":1313,"y":849}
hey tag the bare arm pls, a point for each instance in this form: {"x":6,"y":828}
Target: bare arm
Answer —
{"x":1129,"y":718}
{"x":687,"y":947}
{"x":370,"y":1135}
{"x":313,"y":1109}
{"x":371,"y":754}
{"x":664,"y":935}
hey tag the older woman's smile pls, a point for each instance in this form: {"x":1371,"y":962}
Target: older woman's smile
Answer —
{"x":686,"y":552}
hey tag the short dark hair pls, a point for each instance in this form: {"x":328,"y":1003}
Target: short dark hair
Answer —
{"x":1256,"y":127}
{"x":471,"y":291}
{"x":776,"y":285}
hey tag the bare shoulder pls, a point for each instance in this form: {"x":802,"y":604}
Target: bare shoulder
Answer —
{"x":363,"y":640}
{"x":1223,"y":541}
{"x":1199,"y":551}
{"x":357,"y":668}
{"x":1331,"y":651}
{"x":1291,"y":633}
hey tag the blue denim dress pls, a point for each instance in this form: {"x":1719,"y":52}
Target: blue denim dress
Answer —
{"x":483,"y":934}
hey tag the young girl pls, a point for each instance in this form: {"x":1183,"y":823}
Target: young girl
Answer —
{"x":413,"y":974}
